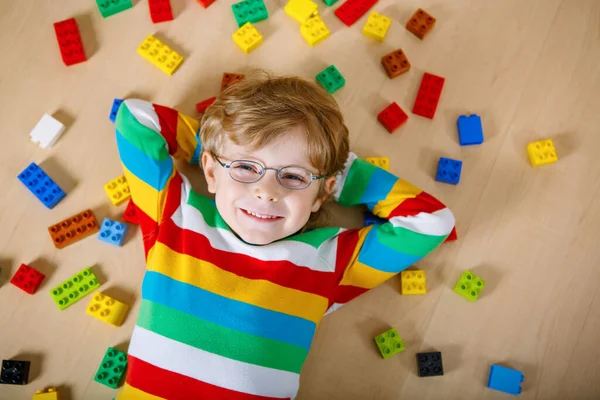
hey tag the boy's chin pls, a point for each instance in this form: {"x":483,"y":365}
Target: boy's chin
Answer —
{"x":259,"y":238}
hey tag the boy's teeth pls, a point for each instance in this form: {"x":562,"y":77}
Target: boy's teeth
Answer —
{"x":259,"y":215}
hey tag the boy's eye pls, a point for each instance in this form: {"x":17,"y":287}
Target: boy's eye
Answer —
{"x":246,"y":167}
{"x":294,"y":177}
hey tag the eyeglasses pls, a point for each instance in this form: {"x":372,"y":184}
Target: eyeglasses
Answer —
{"x":246,"y":171}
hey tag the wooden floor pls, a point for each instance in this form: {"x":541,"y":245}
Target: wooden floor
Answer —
{"x":530,"y":68}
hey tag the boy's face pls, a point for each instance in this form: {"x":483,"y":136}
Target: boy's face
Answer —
{"x":278,"y":211}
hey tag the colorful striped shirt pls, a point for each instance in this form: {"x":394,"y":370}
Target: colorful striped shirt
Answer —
{"x":223,"y":319}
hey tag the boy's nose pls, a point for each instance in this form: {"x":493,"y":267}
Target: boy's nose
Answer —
{"x":268,"y":188}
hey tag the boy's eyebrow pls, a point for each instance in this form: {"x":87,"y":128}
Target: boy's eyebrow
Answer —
{"x":244,"y":156}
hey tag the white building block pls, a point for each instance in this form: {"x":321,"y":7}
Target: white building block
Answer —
{"x":47,"y":131}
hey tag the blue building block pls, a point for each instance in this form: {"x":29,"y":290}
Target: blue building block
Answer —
{"x":469,"y":130}
{"x":371,"y":219}
{"x":505,"y":379}
{"x":448,"y":171}
{"x":41,"y":185}
{"x":115,"y":108}
{"x":112,"y":232}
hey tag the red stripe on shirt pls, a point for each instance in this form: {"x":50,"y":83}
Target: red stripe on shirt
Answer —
{"x":168,"y":126}
{"x":423,"y":202}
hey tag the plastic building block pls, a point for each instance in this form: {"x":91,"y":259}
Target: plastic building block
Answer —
{"x":14,"y":372}
{"x":371,"y":219}
{"x":352,"y":10}
{"x":203,"y":105}
{"x":107,"y":309}
{"x":301,"y":10}
{"x":118,"y":190}
{"x":330,"y":2}
{"x":376,"y":26}
{"x":429,"y":95}
{"x":420,"y":23}
{"x":392,"y":117}
{"x":541,"y":152}
{"x":247,"y":38}
{"x":395,"y":63}
{"x":160,"y":10}
{"x":112,"y":368}
{"x":505,"y":380}
{"x":48,"y":394}
{"x":249,"y":11}
{"x":130,"y":214}
{"x":75,"y":288}
{"x":27,"y":279}
{"x":229,"y":79}
{"x":448,"y":171}
{"x":314,"y":30}
{"x":69,"y":41}
{"x":389,"y":343}
{"x":206,"y":3}
{"x":381,"y":162}
{"x":469,"y":286}
{"x":73,"y":229}
{"x":469,"y":130}
{"x":414,"y":282}
{"x":41,"y":185}
{"x":115,"y":107}
{"x":160,"y":55}
{"x":331,"y":79}
{"x":112,"y":232}
{"x":46,"y":132}
{"x":112,"y":7}
{"x":430,"y":364}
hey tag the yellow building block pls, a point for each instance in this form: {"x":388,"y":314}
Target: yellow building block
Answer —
{"x":414,"y":282}
{"x":247,"y":37}
{"x":48,"y":394}
{"x":118,"y":190}
{"x":107,"y":309}
{"x":301,"y":10}
{"x":160,"y":55}
{"x":376,"y":26}
{"x":381,"y":162}
{"x":314,"y":30}
{"x":541,"y":152}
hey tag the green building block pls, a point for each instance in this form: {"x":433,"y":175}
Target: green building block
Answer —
{"x":112,"y":7}
{"x":74,"y":289}
{"x":112,"y":368}
{"x":469,"y":286}
{"x":331,"y":79}
{"x":330,"y":2}
{"x":389,"y":343}
{"x":249,"y":11}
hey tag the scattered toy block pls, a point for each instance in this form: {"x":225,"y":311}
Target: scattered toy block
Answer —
{"x":392,"y":117}
{"x":229,"y":79}
{"x":27,"y":279}
{"x":118,"y":190}
{"x":414,"y":282}
{"x":130,"y":214}
{"x":69,"y":41}
{"x":470,"y":131}
{"x":107,"y":309}
{"x":75,"y":288}
{"x":331,"y":79}
{"x":203,"y":105}
{"x":429,"y":95}
{"x":541,"y":152}
{"x":247,"y":38}
{"x":376,"y":26}
{"x":301,"y":10}
{"x":73,"y":229}
{"x":505,"y":380}
{"x":252,"y":11}
{"x":112,"y":7}
{"x":389,"y":343}
{"x":469,"y":286}
{"x":112,"y":368}
{"x":14,"y":372}
{"x":48,"y":394}
{"x":46,"y":132}
{"x":352,"y":10}
{"x":115,"y":108}
{"x":371,"y":219}
{"x":160,"y":55}
{"x":112,"y":232}
{"x":160,"y":10}
{"x":420,"y":23}
{"x":206,"y":3}
{"x":314,"y":30}
{"x":430,"y":364}
{"x":41,"y":185}
{"x":381,"y":162}
{"x":395,"y":63}
{"x":330,"y":2}
{"x":448,"y":171}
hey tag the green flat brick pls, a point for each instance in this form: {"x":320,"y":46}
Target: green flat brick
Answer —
{"x":74,"y":289}
{"x":331,"y":79}
{"x":249,"y":11}
{"x":112,"y":7}
{"x":112,"y":368}
{"x":469,"y":286}
{"x":330,"y":2}
{"x":389,"y":343}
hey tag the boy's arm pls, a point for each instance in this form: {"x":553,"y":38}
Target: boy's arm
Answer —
{"x":416,"y":224}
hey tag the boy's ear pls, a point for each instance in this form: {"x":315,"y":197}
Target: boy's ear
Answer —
{"x":208,"y":166}
{"x":327,"y":191}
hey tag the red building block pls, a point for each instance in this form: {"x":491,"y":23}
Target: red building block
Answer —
{"x":130,"y":214}
{"x":352,"y":10}
{"x":160,"y":10}
{"x":69,"y":41}
{"x":206,"y":3}
{"x":428,"y":96}
{"x":392,"y":117}
{"x":229,"y":79}
{"x":203,"y":105}
{"x":27,"y":279}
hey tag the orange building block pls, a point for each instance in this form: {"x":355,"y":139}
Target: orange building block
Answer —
{"x":229,"y":79}
{"x":73,"y":229}
{"x":395,"y":63}
{"x":420,"y":23}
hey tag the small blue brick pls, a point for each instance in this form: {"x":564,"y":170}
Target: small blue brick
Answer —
{"x":112,"y":232}
{"x":41,"y":185}
{"x":448,"y":171}
{"x":469,"y":130}
{"x":505,"y":379}
{"x":371,"y":219}
{"x":115,"y":108}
